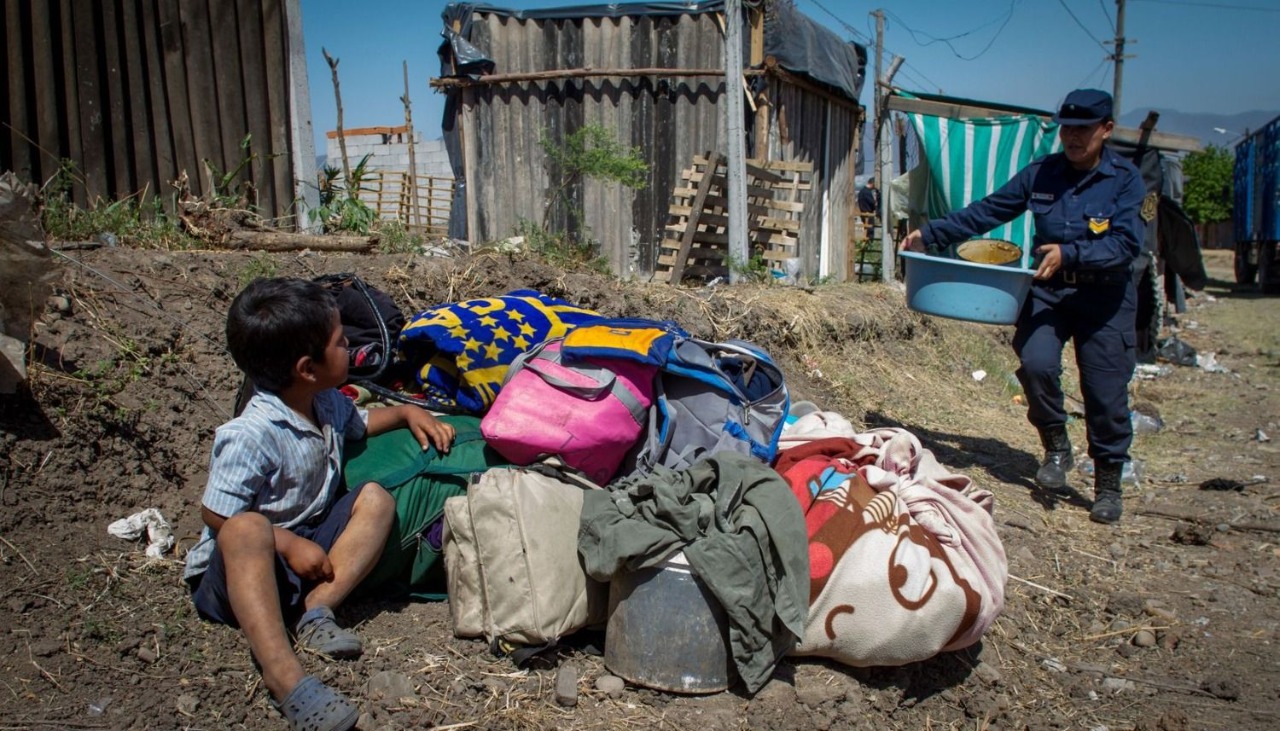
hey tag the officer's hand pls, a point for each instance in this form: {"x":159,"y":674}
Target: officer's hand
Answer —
{"x":913,"y":242}
{"x":1050,"y":261}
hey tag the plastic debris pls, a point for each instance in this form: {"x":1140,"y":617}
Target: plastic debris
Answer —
{"x":150,"y":521}
{"x":99,"y":707}
{"x":1208,"y":362}
{"x":1175,"y":351}
{"x":978,"y":375}
{"x":1222,"y":484}
{"x":1261,"y":436}
{"x":1149,"y":371}
{"x":1145,"y":423}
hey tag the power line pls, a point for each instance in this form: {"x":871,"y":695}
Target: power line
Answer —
{"x":915,"y":35}
{"x":1082,"y":26}
{"x":847,"y":27}
{"x":923,"y":83}
{"x":907,"y":64}
{"x":1106,"y":14}
{"x":1212,"y":5}
{"x":927,"y":81}
{"x":1086,"y":81}
{"x":855,"y":32}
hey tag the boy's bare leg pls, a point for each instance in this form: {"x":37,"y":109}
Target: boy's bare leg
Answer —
{"x":247,"y":542}
{"x":358,"y":548}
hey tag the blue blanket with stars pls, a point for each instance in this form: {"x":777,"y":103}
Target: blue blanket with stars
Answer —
{"x":461,"y":351}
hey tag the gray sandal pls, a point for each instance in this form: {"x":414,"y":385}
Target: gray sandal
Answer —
{"x":317,"y":631}
{"x":314,"y":706}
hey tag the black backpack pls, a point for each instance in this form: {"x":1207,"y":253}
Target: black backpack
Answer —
{"x":370,"y":320}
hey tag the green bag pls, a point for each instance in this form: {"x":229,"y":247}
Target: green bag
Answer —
{"x":420,"y":481}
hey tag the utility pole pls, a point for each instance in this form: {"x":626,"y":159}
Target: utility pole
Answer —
{"x":882,"y":154}
{"x":1119,"y":59}
{"x":884,"y":150}
{"x":735,"y":145}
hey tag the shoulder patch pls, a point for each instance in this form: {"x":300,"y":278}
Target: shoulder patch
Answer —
{"x":1150,"y":205}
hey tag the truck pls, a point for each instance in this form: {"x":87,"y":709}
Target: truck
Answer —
{"x":1255,"y":215}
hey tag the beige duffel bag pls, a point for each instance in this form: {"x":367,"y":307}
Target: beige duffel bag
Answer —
{"x":511,"y":555}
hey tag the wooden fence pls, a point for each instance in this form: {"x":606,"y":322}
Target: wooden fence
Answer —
{"x":390,"y":193}
{"x":134,"y":93}
{"x":697,"y":234}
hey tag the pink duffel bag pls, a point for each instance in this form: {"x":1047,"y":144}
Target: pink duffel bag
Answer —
{"x":588,"y":411}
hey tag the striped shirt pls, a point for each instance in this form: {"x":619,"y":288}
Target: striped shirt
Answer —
{"x":273,"y":461}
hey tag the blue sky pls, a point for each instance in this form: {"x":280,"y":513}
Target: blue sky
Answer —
{"x":1218,"y":56}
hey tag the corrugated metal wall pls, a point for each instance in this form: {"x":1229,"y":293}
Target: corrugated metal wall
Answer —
{"x":809,"y":127}
{"x":670,"y":119}
{"x":134,"y":92}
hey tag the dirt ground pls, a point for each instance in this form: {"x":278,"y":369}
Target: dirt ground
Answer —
{"x":1164,"y":622}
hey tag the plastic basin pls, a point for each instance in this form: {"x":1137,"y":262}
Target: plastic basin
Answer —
{"x":963,"y":290}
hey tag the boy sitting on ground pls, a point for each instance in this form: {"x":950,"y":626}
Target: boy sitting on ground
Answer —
{"x":285,"y":541}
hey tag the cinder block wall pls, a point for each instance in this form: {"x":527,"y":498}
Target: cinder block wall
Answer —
{"x":389,"y":150}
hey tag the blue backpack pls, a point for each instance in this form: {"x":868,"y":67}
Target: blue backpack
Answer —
{"x":712,"y":398}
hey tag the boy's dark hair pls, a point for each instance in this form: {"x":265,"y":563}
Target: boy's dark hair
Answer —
{"x":273,"y":323}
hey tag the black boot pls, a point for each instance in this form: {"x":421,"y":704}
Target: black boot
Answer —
{"x":1052,"y":474}
{"x":1107,"y":505}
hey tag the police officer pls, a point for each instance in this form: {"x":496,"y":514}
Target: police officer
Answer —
{"x":1086,"y":202}
{"x":869,"y":197}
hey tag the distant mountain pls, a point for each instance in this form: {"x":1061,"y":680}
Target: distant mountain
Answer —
{"x":1201,"y":125}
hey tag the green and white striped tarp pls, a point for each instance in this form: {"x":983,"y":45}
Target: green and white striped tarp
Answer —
{"x":968,"y":159}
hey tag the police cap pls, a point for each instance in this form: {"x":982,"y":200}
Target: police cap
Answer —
{"x":1084,"y":106}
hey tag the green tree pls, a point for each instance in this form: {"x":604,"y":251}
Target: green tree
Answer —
{"x":591,"y":151}
{"x":1207,"y":192}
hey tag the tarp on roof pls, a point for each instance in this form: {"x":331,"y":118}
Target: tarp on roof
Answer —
{"x":968,"y":159}
{"x":798,"y":43}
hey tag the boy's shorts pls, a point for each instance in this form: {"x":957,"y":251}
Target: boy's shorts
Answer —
{"x":209,"y":590}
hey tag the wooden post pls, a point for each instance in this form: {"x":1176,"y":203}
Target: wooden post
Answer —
{"x":466,"y":137}
{"x":342,"y":140}
{"x":413,"y":160}
{"x":761,"y":151}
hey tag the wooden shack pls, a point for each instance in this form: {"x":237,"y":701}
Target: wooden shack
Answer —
{"x":134,"y":94}
{"x":654,"y":76}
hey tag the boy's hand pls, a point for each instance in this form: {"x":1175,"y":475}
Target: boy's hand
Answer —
{"x":429,"y":430}
{"x":307,"y":559}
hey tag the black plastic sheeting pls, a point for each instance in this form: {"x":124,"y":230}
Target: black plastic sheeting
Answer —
{"x":800,"y":44}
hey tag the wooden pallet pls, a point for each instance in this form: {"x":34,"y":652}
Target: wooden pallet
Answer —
{"x":696,"y":241}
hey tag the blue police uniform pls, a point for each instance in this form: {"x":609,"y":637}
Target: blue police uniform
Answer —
{"x":1095,"y":216}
